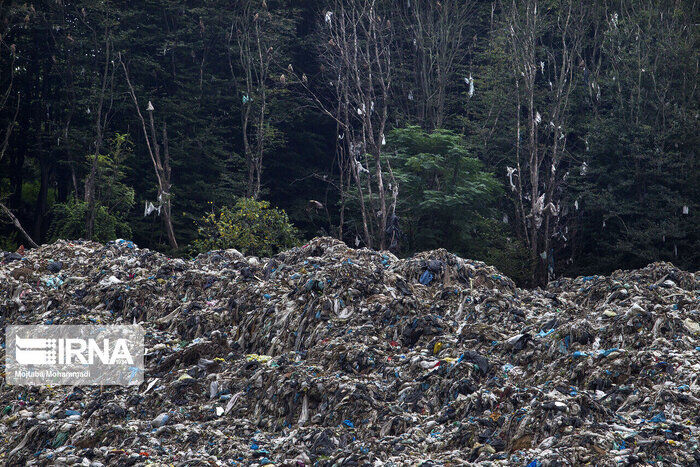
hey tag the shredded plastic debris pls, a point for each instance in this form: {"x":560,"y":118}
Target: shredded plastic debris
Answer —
{"x":327,"y":355}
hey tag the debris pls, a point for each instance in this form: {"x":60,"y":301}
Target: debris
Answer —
{"x":150,"y":207}
{"x":470,"y":82}
{"x":338,"y":356}
{"x":510,"y":171}
{"x":54,"y":267}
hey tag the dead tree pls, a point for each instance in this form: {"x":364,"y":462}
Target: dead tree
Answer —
{"x":256,"y":46}
{"x":5,"y":210}
{"x":101,"y":118}
{"x":438,"y":39}
{"x":161,"y":166}
{"x":548,"y":61}
{"x":358,"y":53}
{"x":357,"y":61}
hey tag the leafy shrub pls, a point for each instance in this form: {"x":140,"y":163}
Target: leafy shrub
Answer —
{"x":250,"y":226}
{"x":490,"y":240}
{"x":69,"y":222}
{"x":113,"y":199}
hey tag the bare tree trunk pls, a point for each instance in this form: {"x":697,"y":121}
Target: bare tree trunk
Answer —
{"x":41,"y":199}
{"x":99,"y":130}
{"x":162,"y":173}
{"x":359,"y":55}
{"x":340,"y":157}
{"x":167,"y":218}
{"x":539,"y":187}
{"x":4,"y":98}
{"x":17,"y":224}
{"x":8,"y":130}
{"x":438,"y":31}
{"x":257,"y":49}
{"x":363,"y":208}
{"x":75,"y":180}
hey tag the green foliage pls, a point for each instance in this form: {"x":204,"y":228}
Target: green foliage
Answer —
{"x":441,"y":188}
{"x":631,"y":197}
{"x":491,"y":241}
{"x":69,"y":222}
{"x":10,"y":242}
{"x":113,"y":199}
{"x":250,"y":226}
{"x":641,"y":141}
{"x":447,"y":199}
{"x":117,"y":197}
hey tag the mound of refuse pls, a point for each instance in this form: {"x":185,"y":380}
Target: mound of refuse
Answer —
{"x":327,"y":355}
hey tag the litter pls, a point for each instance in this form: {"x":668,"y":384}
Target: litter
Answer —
{"x":330,"y":355}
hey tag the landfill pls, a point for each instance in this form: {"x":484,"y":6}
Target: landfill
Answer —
{"x":327,"y":355}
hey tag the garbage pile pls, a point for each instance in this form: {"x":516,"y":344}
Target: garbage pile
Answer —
{"x":326,"y":355}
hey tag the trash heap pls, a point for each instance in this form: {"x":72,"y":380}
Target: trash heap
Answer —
{"x":326,"y":355}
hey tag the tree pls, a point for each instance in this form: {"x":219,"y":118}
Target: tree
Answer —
{"x":161,"y":166}
{"x":633,"y":195}
{"x":599,"y":167}
{"x":444,"y":189}
{"x":113,"y":199}
{"x":101,"y":118}
{"x":259,"y":37}
{"x":545,"y":44}
{"x":356,"y":46}
{"x":438,"y":34}
{"x":10,"y":51}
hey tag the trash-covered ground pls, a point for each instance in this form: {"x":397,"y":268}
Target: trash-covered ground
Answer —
{"x":325,"y":355}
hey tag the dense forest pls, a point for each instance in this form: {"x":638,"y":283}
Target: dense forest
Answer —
{"x":546,"y":137}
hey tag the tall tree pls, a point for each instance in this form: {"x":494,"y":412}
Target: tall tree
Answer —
{"x":635,"y":191}
{"x":593,"y":106}
{"x":101,"y":118}
{"x":545,"y":45}
{"x":161,"y":165}
{"x":9,"y":51}
{"x":356,"y":42}
{"x":259,"y":38}
{"x":434,"y":52}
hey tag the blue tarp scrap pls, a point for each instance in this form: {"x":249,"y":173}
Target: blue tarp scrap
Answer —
{"x":426,"y":278}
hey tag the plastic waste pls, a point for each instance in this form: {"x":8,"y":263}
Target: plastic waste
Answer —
{"x":330,"y":355}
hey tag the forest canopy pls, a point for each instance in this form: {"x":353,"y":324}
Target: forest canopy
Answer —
{"x":546,"y":137}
